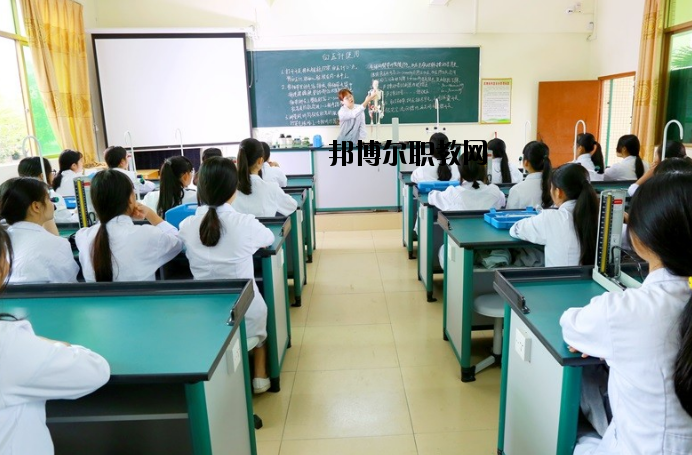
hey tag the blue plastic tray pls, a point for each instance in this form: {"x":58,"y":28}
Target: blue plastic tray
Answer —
{"x":426,"y":187}
{"x":70,"y":202}
{"x":506,"y":219}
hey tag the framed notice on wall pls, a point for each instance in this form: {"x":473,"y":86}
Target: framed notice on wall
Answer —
{"x":496,"y":100}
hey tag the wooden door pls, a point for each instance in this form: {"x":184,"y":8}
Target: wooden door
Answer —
{"x":560,"y":105}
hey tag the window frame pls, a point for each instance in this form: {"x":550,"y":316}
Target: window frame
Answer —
{"x":602,"y":80}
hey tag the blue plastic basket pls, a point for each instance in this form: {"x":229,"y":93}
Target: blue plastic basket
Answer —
{"x":426,"y":187}
{"x":70,"y":202}
{"x":176,"y":215}
{"x":506,"y":219}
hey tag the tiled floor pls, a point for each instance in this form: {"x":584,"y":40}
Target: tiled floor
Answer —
{"x":368,"y":372}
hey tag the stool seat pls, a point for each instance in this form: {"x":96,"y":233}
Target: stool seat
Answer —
{"x":491,"y":305}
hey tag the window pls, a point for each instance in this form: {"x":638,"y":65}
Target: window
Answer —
{"x":617,"y":95}
{"x":679,"y":12}
{"x":679,"y":102}
{"x":21,"y":108}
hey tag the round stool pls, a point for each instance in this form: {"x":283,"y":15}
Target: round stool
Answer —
{"x":493,"y":306}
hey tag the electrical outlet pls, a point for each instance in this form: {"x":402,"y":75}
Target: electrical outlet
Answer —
{"x":522,"y":345}
{"x":233,"y":358}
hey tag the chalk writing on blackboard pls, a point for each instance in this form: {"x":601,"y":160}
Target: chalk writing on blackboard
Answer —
{"x":412,"y":86}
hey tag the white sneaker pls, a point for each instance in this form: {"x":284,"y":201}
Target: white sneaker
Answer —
{"x":260,"y":385}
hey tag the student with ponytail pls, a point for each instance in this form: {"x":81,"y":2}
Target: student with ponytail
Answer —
{"x":472,"y":194}
{"x":631,"y":167}
{"x":116,"y":249}
{"x":502,"y":171}
{"x":590,"y":155}
{"x":568,"y":233}
{"x":71,"y":165}
{"x":675,"y":150}
{"x":34,"y":370}
{"x":220,"y":242}
{"x":535,"y":189}
{"x":255,"y":196}
{"x":645,"y":334}
{"x":117,"y":158}
{"x":441,"y":171}
{"x":39,"y":256}
{"x":176,"y":176}
{"x":270,"y":169}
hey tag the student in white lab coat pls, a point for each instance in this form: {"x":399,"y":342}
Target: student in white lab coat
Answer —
{"x":270,"y":169}
{"x":39,"y":256}
{"x":590,"y":155}
{"x":118,"y":158}
{"x":220,"y":242}
{"x":502,"y":171}
{"x":568,"y":233}
{"x":472,"y":194}
{"x":632,"y":167}
{"x":645,"y":334}
{"x":34,"y":370}
{"x":441,"y":171}
{"x":674,"y":149}
{"x":176,"y":175}
{"x":71,"y":165}
{"x":534,"y":191}
{"x":206,"y":154}
{"x":255,"y":196}
{"x":31,"y":167}
{"x":116,"y":249}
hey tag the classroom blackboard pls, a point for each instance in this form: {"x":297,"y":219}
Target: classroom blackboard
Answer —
{"x":299,"y":87}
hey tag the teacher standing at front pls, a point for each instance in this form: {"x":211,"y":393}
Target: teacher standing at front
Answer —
{"x":352,"y":117}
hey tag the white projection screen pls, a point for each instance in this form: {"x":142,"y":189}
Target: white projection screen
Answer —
{"x":153,"y":84}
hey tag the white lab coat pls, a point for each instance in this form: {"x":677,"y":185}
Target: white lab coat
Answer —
{"x":632,"y":189}
{"x":141,"y":186}
{"x":151,"y":200}
{"x":35,"y":370}
{"x":138,"y":250}
{"x":636,"y":332}
{"x":266,"y":199}
{"x":527,"y":193}
{"x":585,"y":160}
{"x":62,"y":214}
{"x":624,"y":170}
{"x":352,"y":124}
{"x":39,"y":256}
{"x":242,"y":235}
{"x":428,"y":173}
{"x":465,"y":197}
{"x":274,"y":174}
{"x":555,"y":230}
{"x":514,"y":172}
{"x":66,"y":187}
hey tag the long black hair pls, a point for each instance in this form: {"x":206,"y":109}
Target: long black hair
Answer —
{"x":6,"y":259}
{"x":499,"y":149}
{"x":573,"y":180}
{"x":31,"y":167}
{"x":440,"y":143}
{"x":114,"y":156}
{"x":111,"y":191}
{"x":16,"y":196}
{"x":588,"y":141}
{"x":538,"y":155}
{"x":472,"y":170}
{"x":670,"y":165}
{"x":249,"y":152}
{"x":171,"y":191}
{"x":661,"y":219}
{"x":631,"y":143}
{"x":218,"y":181}
{"x":67,"y":159}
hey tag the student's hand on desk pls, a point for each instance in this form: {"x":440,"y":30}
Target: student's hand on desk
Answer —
{"x":574,"y":351}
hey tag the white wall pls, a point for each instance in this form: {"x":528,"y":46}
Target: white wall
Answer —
{"x":529,"y":42}
{"x":615,"y":48}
